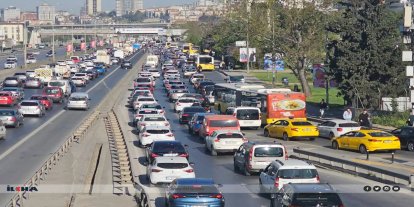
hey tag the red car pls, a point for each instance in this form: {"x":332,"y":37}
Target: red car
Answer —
{"x":7,"y":98}
{"x":55,"y":93}
{"x":45,"y":100}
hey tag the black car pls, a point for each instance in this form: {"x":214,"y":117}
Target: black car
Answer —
{"x":166,"y":148}
{"x":305,"y":194}
{"x":92,"y":73}
{"x":188,"y":112}
{"x":203,"y":84}
{"x":406,"y":136}
{"x":126,"y":65}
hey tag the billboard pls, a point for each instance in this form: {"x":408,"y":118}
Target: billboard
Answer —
{"x":83,"y":46}
{"x":93,"y":44}
{"x":319,"y":77}
{"x":247,"y":56}
{"x":268,"y":61}
{"x":69,"y":47}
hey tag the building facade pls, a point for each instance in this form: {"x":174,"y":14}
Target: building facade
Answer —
{"x":126,"y":6}
{"x":46,"y":14}
{"x":93,"y":7}
{"x":10,"y":13}
{"x":11,"y":31}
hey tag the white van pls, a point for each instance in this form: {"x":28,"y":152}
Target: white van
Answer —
{"x":247,"y":116}
{"x":63,"y":84}
{"x":152,"y":60}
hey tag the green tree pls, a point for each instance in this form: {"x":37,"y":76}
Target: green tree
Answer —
{"x":366,"y":60}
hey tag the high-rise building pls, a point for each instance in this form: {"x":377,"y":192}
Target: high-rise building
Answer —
{"x":93,"y":7}
{"x":10,"y":14}
{"x":46,"y":14}
{"x":126,"y":6}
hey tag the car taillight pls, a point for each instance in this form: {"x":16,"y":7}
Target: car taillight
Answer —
{"x":170,"y":135}
{"x":189,"y":171}
{"x":153,"y":155}
{"x":175,"y":196}
{"x":250,"y":154}
{"x":185,"y":115}
{"x":142,"y":124}
{"x":12,"y":118}
{"x":216,"y":140}
{"x":167,"y":124}
{"x":374,"y":140}
{"x":178,"y":104}
{"x":245,"y":140}
{"x":207,"y":129}
{"x":155,"y":170}
{"x":162,"y":111}
{"x":286,"y":153}
{"x":218,"y":196}
{"x":318,"y":179}
{"x":339,"y":129}
{"x":398,"y":139}
{"x":234,"y":114}
{"x":277,"y":182}
{"x":184,"y":155}
{"x":295,"y":129}
{"x":146,"y":135}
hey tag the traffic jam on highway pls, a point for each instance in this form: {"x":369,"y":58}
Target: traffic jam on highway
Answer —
{"x":34,"y":93}
{"x":215,"y":115}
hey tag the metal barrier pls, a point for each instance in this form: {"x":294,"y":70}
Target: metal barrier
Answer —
{"x":356,"y":167}
{"x":39,"y":175}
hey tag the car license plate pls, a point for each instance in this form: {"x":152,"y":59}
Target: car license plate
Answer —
{"x":170,"y":178}
{"x":387,"y":141}
{"x":230,"y":142}
{"x":306,"y":130}
{"x":170,"y":155}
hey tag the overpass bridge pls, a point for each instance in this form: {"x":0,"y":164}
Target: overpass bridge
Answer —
{"x":110,"y":31}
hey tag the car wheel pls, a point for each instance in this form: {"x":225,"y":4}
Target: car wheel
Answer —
{"x":266,"y":133}
{"x":331,"y":135}
{"x":312,"y":139}
{"x":362,"y":149}
{"x":285,"y":136}
{"x":246,"y":171}
{"x":235,"y":168}
{"x":335,"y":145}
{"x":410,"y":146}
{"x":17,"y":125}
{"x":213,"y":152}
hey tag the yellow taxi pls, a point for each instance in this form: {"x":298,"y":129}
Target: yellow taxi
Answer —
{"x":367,"y":140}
{"x":291,"y":129}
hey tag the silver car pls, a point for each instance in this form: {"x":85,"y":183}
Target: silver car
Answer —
{"x":33,"y":83}
{"x":31,"y":107}
{"x":11,"y":117}
{"x":78,"y":100}
{"x":21,"y":76}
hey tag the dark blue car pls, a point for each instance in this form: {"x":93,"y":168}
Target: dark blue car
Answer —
{"x":100,"y":69}
{"x":185,"y":192}
{"x":195,"y":123}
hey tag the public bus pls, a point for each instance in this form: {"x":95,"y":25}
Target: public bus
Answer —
{"x":206,"y":62}
{"x":229,"y":95}
{"x":274,"y":104}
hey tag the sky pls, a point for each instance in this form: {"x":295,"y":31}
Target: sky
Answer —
{"x":74,"y":6}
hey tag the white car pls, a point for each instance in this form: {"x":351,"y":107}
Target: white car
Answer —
{"x":247,"y":116}
{"x":69,"y":62}
{"x":30,"y":74}
{"x":10,"y":65}
{"x":142,"y":112}
{"x":61,"y":62}
{"x":167,"y":169}
{"x":157,"y":107}
{"x":31,"y":60}
{"x":154,"y":72}
{"x":79,"y":81}
{"x":74,"y":68}
{"x":151,"y":133}
{"x":195,"y":77}
{"x":184,"y":102}
{"x":114,"y":60}
{"x":331,"y":128}
{"x":175,"y":94}
{"x":143,"y":100}
{"x":31,"y":107}
{"x":81,"y":75}
{"x":78,"y":100}
{"x":152,"y":120}
{"x":224,"y":141}
{"x":11,"y":59}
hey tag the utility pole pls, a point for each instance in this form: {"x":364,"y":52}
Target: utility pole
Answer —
{"x":73,"y":40}
{"x":247,"y":34}
{"x":53,"y":42}
{"x":25,"y":45}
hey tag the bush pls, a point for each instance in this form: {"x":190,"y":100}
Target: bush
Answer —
{"x":396,"y":119}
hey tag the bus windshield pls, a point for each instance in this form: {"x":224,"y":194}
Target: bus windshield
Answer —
{"x":205,"y":60}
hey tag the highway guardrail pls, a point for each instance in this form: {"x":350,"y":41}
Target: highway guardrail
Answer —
{"x":356,"y":167}
{"x":18,"y":198}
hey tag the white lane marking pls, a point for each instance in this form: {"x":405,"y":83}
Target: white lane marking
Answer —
{"x":27,"y":137}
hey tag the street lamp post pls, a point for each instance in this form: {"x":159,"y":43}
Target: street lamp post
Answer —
{"x":25,"y":45}
{"x":53,"y":42}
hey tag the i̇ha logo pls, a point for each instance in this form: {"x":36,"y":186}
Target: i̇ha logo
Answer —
{"x":20,"y":188}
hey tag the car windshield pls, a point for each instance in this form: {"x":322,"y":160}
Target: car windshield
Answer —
{"x":7,"y":113}
{"x":268,"y":152}
{"x":317,"y":199}
{"x":187,"y":101}
{"x":154,"y":119}
{"x":380,"y":134}
{"x":248,"y":114}
{"x":301,"y":123}
{"x":158,"y":131}
{"x":230,"y":135}
{"x":145,"y":99}
{"x":194,"y":110}
{"x":297,"y":173}
{"x":223,"y":123}
{"x":52,"y":90}
{"x":172,"y":165}
{"x":26,"y":103}
{"x":56,"y":83}
{"x":168,"y":147}
{"x":236,"y":78}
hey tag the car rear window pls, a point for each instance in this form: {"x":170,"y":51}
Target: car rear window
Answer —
{"x":248,"y":114}
{"x":187,"y":101}
{"x":29,"y":104}
{"x":194,"y":109}
{"x":268,"y":152}
{"x":142,"y":80}
{"x":317,"y":199}
{"x":6,"y":113}
{"x":158,"y":131}
{"x":52,"y":91}
{"x":146,"y":99}
{"x":301,"y":123}
{"x":147,"y":112}
{"x":77,"y":98}
{"x":168,"y":147}
{"x":230,"y":135}
{"x":297,"y":173}
{"x":380,"y":134}
{"x":4,"y":94}
{"x":154,"y":119}
{"x":344,"y":125}
{"x":38,"y":98}
{"x":172,"y":165}
{"x":11,"y":78}
{"x":223,"y":123}
{"x":57,"y":83}
{"x":151,"y":107}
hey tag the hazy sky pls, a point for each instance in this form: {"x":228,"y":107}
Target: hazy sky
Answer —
{"x":74,"y":6}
